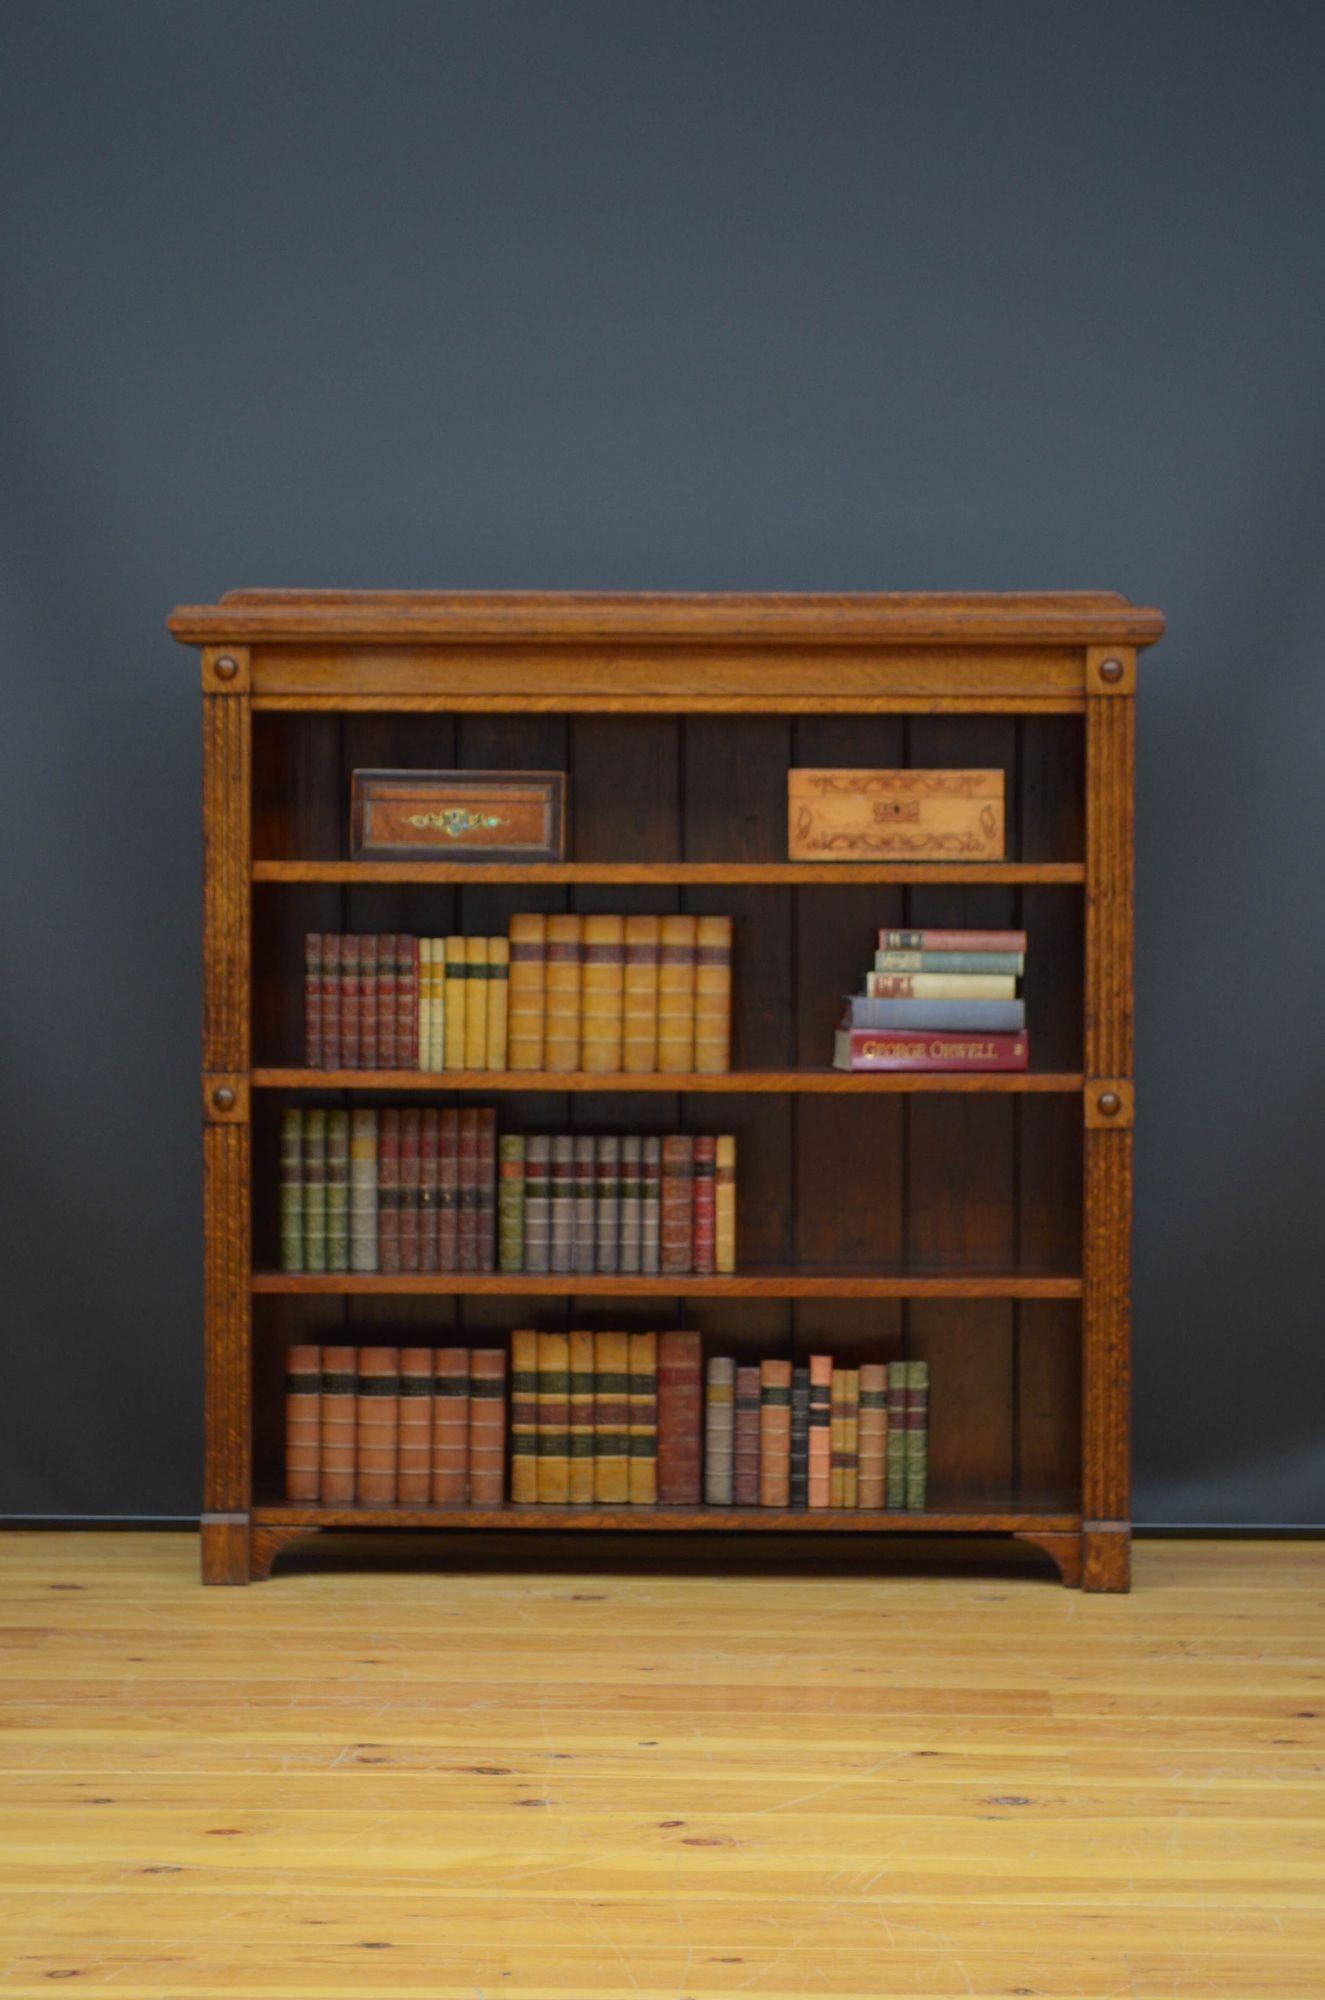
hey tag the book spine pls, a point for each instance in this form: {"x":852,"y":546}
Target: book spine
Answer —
{"x":340,"y":1382}
{"x":643,"y":1369}
{"x":719,"y":1430}
{"x":524,"y":1418}
{"x":414,"y":1473}
{"x":528,"y":972}
{"x":437,"y":1021}
{"x":303,"y":1422}
{"x":388,"y":957}
{"x":368,"y":1057}
{"x":713,"y":995}
{"x":949,"y":961}
{"x":450,"y":1426}
{"x":338,"y":1190}
{"x":554,"y":1419}
{"x":377,"y":1426}
{"x":819,"y":1447}
{"x":837,"y":1431}
{"x":292,"y":1190}
{"x":487,"y":1426}
{"x":561,"y":1017}
{"x":931,"y":940}
{"x":650,"y":1204}
{"x":724,"y":1205}
{"x":639,"y":1048}
{"x":424,"y":1023}
{"x":917,"y":1433}
{"x":430,"y":1148}
{"x":908,"y":1049}
{"x":799,"y":1490}
{"x":611,"y":1419}
{"x":607,"y":1221}
{"x":680,"y":1399}
{"x":676,"y":995}
{"x":602,"y":993}
{"x":448,"y":1192}
{"x":314,"y":1050}
{"x":538,"y":1203}
{"x":584,"y":1203}
{"x":580,"y":1424}
{"x":628,"y":1215}
{"x":315,"y":1190}
{"x":871,"y":1486}
{"x":408,"y":1208}
{"x":703,"y":1213}
{"x":510,"y":1201}
{"x":745,"y":1439}
{"x":775,"y":1433}
{"x":561,"y":1204}
{"x":349,"y":1003}
{"x":476,"y":1003}
{"x":331,"y":984}
{"x":850,"y":1436}
{"x":499,"y":1003}
{"x":980,"y":1017}
{"x":895,"y":1442}
{"x":455,"y":997}
{"x":388,"y":1190}
{"x":485,"y":1176}
{"x":940,"y":986}
{"x":363,"y":1191}
{"x":407,"y":1002}
{"x":467,"y":1191}
{"x":677,"y":1204}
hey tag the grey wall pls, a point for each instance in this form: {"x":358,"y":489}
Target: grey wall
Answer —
{"x":793,"y":293}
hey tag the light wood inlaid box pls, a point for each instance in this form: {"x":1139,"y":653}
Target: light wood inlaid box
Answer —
{"x":849,"y":815}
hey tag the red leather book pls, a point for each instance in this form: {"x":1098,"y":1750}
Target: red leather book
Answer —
{"x":377,"y":1420}
{"x":409,"y":1189}
{"x":387,"y":946}
{"x":448,"y":1196}
{"x":414,"y":1472}
{"x":487,"y":1426}
{"x":407,"y":1003}
{"x":430,"y":1141}
{"x":313,"y":1045}
{"x":388,"y":1190}
{"x":450,"y":1426}
{"x":303,"y":1407}
{"x":704,"y":1157}
{"x":340,"y":1368}
{"x":680,"y":1419}
{"x":912,"y":1049}
{"x":775,"y":1433}
{"x":368,"y":1003}
{"x":745,"y":1440}
{"x":952,"y":941}
{"x":485,"y":1191}
{"x":349,"y":1002}
{"x":677,"y":1204}
{"x":819,"y":1452}
{"x":331,"y":944}
{"x":467,"y":1213}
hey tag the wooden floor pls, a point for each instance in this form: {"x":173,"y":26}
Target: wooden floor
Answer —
{"x":591,"y":1779}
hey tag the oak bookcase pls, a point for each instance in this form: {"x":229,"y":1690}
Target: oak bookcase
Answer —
{"x":978,"y":1221}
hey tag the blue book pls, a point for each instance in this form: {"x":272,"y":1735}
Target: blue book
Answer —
{"x":990,"y":1017}
{"x":949,"y":961}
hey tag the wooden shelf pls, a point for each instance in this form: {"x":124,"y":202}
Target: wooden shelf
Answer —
{"x":1005,"y":1515}
{"x":767,"y":1283}
{"x":773,"y":874}
{"x":754,"y":1082}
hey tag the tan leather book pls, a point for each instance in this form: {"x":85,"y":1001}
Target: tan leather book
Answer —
{"x":676,"y":995}
{"x":340,"y":1383}
{"x":820,"y":1443}
{"x":455,"y":997}
{"x":303,"y":1422}
{"x":528,"y":976}
{"x":639,"y":1045}
{"x":611,"y":1419}
{"x":602,"y":993}
{"x":724,"y":1205}
{"x":775,"y":1433}
{"x":377,"y":1417}
{"x":561,"y":1035}
{"x":414,"y":1467}
{"x":524,"y":1418}
{"x":450,"y":1427}
{"x":581,"y":1425}
{"x":643,"y":1373}
{"x":499,"y":985}
{"x":872,"y":1446}
{"x":713,"y":995}
{"x":487,"y":1426}
{"x":476,"y":1002}
{"x":850,"y":1435}
{"x":554,"y":1419}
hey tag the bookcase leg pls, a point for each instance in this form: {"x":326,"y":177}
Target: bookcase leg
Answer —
{"x":1063,"y":1550}
{"x":225,"y":1548}
{"x":1107,"y":1557}
{"x":265,"y":1544}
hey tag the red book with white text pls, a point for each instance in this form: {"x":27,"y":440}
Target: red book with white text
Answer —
{"x":952,"y":941}
{"x":913,"y":1049}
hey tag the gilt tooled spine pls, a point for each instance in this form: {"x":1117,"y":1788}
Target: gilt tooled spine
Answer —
{"x":377,"y":1426}
{"x":467,"y":1191}
{"x":774,"y":1433}
{"x":388,"y":1191}
{"x":585,"y":1203}
{"x":895,"y":1442}
{"x":292,"y":1190}
{"x":368,"y":1046}
{"x":680,"y":1412}
{"x":917,"y":1433}
{"x":819,"y":1450}
{"x":713,"y":995}
{"x":677,"y":1211}
{"x":554,"y":1419}
{"x":331,"y":984}
{"x":724,"y":1204}
{"x":651,"y":1203}
{"x":528,"y":972}
{"x":430,"y":1145}
{"x":799,"y":1489}
{"x":450,"y":1426}
{"x":303,"y":1412}
{"x":676,"y":995}
{"x":388,"y":950}
{"x":476,"y":1003}
{"x":313,"y":1025}
{"x":524,"y":1417}
{"x":611,"y":1419}
{"x":349,"y":1010}
{"x":315,"y":1190}
{"x":338,"y":1190}
{"x":561,"y":1032}
{"x":871,"y":1487}
{"x":602,"y":993}
{"x":455,"y":992}
{"x":561,"y":1202}
{"x":340,"y":1382}
{"x":363,"y":1191}
{"x":414,"y":1468}
{"x":448,"y":1191}
{"x":499,"y":1003}
{"x":629,"y":1212}
{"x":643,"y":1368}
{"x":486,"y":1179}
{"x":510,"y":1201}
{"x":580,"y":1424}
{"x":538,"y":1203}
{"x":639,"y":1046}
{"x":607,"y":1219}
{"x":703,"y":1210}
{"x":487,"y":1426}
{"x":719,"y":1430}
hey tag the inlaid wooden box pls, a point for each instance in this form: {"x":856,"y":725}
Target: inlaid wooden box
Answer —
{"x":457,"y":815}
{"x":894,"y":815}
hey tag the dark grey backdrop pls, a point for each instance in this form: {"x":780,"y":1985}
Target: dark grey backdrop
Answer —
{"x":793,"y":294}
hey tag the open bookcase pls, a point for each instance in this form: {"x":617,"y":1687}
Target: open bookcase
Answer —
{"x":977,"y":1221}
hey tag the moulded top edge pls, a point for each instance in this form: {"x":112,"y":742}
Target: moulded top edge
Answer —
{"x":470,"y":617}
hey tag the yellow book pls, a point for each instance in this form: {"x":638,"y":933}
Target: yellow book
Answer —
{"x":639,"y":1048}
{"x":611,"y":1477}
{"x":499,"y":988}
{"x":561,"y":1033}
{"x":553,"y":1418}
{"x":425,"y":1002}
{"x":437,"y":1034}
{"x":713,"y":995}
{"x":456,"y":983}
{"x":476,"y":1002}
{"x":676,"y":995}
{"x":724,"y":1204}
{"x":643,"y":1362}
{"x":602,"y":993}
{"x":581,"y":1420}
{"x":524,"y":1418}
{"x":528,"y":972}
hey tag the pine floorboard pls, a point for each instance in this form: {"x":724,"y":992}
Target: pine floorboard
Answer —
{"x":650,"y":1772}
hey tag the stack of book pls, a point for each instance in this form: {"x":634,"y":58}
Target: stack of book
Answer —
{"x":395,"y":1426}
{"x":570,"y":1201}
{"x":938,"y":1000}
{"x":818,"y":1436}
{"x":607,"y":994}
{"x":611,"y":1419}
{"x":395,"y":1002}
{"x":407,"y":1190}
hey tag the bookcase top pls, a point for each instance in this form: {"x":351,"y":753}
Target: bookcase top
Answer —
{"x":435,"y":617}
